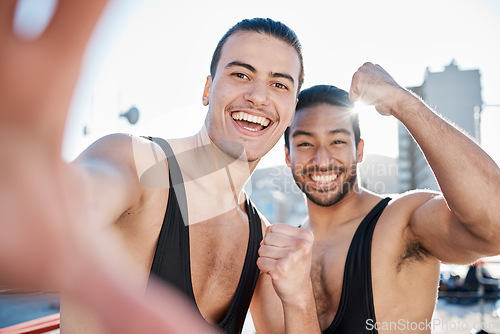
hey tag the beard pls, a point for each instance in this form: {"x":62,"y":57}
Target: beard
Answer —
{"x":327,"y":197}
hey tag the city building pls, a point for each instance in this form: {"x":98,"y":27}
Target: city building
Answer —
{"x":456,"y":95}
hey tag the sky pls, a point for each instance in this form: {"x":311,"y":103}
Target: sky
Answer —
{"x":155,"y":55}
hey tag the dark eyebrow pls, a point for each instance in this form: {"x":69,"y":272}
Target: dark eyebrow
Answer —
{"x":284,"y":76}
{"x":301,"y":133}
{"x":253,"y":70}
{"x":333,"y":132}
{"x":245,"y":65}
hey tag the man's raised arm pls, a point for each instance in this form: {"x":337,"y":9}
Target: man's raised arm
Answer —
{"x":463,"y":223}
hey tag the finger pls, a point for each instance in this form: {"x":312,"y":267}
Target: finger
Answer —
{"x":266,"y":265}
{"x":353,"y":91}
{"x":289,"y":230}
{"x":367,"y":65}
{"x":272,"y":252}
{"x":63,"y":44}
{"x":7,"y":10}
{"x":277,"y":240}
{"x":73,"y":23}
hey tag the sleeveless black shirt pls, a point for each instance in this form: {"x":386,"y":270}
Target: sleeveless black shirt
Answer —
{"x":356,"y":313}
{"x":171,"y":262}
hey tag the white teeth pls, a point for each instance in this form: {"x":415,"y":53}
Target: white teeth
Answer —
{"x":324,"y":178}
{"x":250,"y":129}
{"x":243,"y":116}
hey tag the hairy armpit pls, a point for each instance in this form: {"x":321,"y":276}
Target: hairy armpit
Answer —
{"x":414,"y":251}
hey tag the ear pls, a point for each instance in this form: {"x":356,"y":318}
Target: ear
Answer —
{"x":359,"y":150}
{"x":287,"y":157}
{"x":206,"y":91}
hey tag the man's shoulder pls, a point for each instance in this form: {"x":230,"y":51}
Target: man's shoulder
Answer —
{"x":394,"y":224}
{"x":120,"y":144}
{"x":411,"y":200}
{"x":138,"y":155}
{"x":400,"y":209}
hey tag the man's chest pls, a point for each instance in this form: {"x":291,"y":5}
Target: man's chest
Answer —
{"x":218,"y":251}
{"x":327,"y":273}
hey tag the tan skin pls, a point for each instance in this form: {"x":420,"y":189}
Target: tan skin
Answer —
{"x":416,"y":231}
{"x":258,"y":75}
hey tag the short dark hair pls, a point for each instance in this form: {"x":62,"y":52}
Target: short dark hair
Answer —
{"x":332,"y":95}
{"x":266,"y":26}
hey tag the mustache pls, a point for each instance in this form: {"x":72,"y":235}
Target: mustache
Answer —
{"x":332,"y":168}
{"x":230,"y":108}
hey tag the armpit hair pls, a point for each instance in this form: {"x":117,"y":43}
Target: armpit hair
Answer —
{"x":415,"y":251}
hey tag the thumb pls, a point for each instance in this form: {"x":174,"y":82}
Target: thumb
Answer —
{"x":353,"y":91}
{"x":353,"y":96}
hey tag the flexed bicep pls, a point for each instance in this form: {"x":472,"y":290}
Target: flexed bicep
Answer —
{"x":440,"y":233}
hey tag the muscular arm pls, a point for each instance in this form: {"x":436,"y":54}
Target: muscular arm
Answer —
{"x":109,"y":175}
{"x":464,"y":223}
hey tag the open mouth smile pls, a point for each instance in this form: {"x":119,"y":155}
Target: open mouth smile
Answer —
{"x":323,"y":179}
{"x":250,"y":122}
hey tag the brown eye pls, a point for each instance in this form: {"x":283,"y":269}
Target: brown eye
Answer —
{"x":240,"y":75}
{"x":280,"y":85}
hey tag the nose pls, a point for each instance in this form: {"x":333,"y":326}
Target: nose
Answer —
{"x":322,"y":158}
{"x":257,"y":93}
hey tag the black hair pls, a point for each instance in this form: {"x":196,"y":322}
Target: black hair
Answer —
{"x":266,"y":26}
{"x":332,"y":95}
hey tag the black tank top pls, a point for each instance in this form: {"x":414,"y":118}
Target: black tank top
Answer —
{"x":356,"y":313}
{"x":171,"y":262}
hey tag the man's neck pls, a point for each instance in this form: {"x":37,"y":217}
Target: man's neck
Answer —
{"x":238,"y":171}
{"x":212,"y":178}
{"x":323,"y":219}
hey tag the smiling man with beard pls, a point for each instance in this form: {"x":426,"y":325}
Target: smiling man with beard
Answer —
{"x":375,"y":262}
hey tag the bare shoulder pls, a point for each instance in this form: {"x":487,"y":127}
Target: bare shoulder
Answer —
{"x":397,"y":216}
{"x":124,"y":146}
{"x":130,"y":154}
{"x":403,"y":206}
{"x":395,"y":224}
{"x":119,"y":173}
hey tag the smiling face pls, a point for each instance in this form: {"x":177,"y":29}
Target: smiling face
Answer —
{"x":253,"y":94}
{"x":323,"y":155}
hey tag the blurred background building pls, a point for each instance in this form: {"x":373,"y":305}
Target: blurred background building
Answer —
{"x":454,"y":94}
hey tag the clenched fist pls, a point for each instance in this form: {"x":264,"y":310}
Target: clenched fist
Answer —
{"x":285,"y":255}
{"x":372,"y":85}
